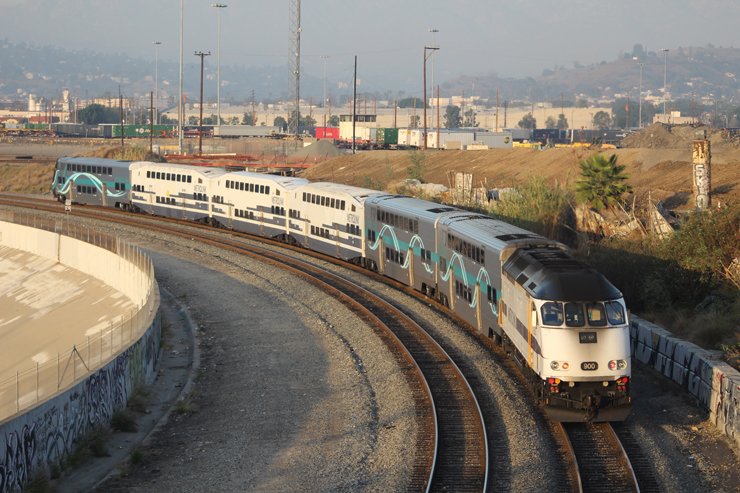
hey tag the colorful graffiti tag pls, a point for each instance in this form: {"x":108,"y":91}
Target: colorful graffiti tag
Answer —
{"x":46,"y":433}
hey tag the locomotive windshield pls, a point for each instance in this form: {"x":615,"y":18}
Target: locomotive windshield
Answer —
{"x":577,"y":314}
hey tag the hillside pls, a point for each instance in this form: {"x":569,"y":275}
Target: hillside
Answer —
{"x":663,"y":171}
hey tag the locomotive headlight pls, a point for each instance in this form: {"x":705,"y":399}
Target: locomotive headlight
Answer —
{"x":559,"y":365}
{"x":554,"y":365}
{"x":617,"y":364}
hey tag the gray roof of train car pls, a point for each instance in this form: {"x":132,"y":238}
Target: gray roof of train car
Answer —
{"x":287,"y":182}
{"x":357,"y":193}
{"x":410,"y":206}
{"x":489,"y":231}
{"x":207,"y":172}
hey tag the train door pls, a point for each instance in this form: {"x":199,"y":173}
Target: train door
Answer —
{"x":262,"y":220}
{"x":184,"y":206}
{"x":231,"y":215}
{"x":412,"y":259}
{"x":478,"y":305}
{"x":105,"y":195}
{"x":336,"y":236}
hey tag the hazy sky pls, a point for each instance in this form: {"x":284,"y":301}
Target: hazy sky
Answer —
{"x":514,"y":38}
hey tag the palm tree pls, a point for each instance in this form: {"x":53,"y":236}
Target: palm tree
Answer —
{"x":601,"y":184}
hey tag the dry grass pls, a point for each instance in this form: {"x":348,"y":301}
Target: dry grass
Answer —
{"x":127,"y":154}
{"x":26,"y":178}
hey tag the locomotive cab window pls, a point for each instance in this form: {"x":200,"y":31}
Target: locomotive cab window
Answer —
{"x":552,"y":314}
{"x":596,"y":316}
{"x":574,"y":315}
{"x":615,"y":313}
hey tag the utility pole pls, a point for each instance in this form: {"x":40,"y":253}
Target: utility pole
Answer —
{"x":200,"y":130}
{"x":640,"y":114}
{"x":156,"y":77}
{"x":433,"y":49}
{"x":665,"y":73}
{"x":324,"y":102}
{"x":120,"y":111}
{"x":181,"y":115}
{"x":438,"y":117}
{"x":151,"y":122}
{"x":433,"y":31}
{"x":354,"y":105}
{"x":220,"y":7}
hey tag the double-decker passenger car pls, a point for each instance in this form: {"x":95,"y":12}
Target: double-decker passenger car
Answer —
{"x":86,"y":180}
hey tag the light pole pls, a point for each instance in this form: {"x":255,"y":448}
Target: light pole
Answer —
{"x":156,"y":81}
{"x":219,"y":6}
{"x":433,"y":49}
{"x":324,"y":103}
{"x":433,"y":31}
{"x":181,"y":116}
{"x":665,"y":72}
{"x":640,"y":64}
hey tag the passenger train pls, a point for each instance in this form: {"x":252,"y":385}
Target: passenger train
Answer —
{"x":562,"y":322}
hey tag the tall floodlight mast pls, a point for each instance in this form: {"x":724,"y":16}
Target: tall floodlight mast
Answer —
{"x":294,"y":79}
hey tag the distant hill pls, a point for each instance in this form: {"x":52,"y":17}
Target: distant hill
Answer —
{"x":704,"y":70}
{"x":47,"y":70}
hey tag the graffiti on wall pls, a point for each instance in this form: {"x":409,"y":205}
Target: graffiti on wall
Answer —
{"x":702,"y":173}
{"x":49,"y":432}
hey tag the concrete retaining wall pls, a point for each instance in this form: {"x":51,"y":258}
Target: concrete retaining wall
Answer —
{"x":715,"y":384}
{"x":45,"y":433}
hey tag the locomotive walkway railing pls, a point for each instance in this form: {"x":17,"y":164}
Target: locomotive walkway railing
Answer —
{"x":132,"y":274}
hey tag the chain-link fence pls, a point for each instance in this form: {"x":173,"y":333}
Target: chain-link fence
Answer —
{"x":35,"y":384}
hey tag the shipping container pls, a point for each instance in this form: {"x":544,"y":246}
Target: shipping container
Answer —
{"x":461,"y":136}
{"x":114,"y":130}
{"x":387,"y":137}
{"x":244,"y":131}
{"x":494,"y":139}
{"x":327,"y":133}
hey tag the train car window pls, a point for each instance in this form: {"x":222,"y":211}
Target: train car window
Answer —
{"x":416,"y":226}
{"x":574,"y":315}
{"x":353,"y":208}
{"x":148,"y":174}
{"x":262,"y":189}
{"x":94,"y":190}
{"x":277,"y":192}
{"x":228,"y":183}
{"x":332,"y":203}
{"x":552,"y":313}
{"x":251,"y":187}
{"x":482,"y":257}
{"x":157,"y":175}
{"x":443,"y":264}
{"x":342,"y":204}
{"x":241,"y":186}
{"x":595,"y":313}
{"x":79,"y":189}
{"x":110,"y":171}
{"x":304,"y":196}
{"x":116,"y":187}
{"x":615,"y":313}
{"x":190,"y":179}
{"x":179,"y":177}
{"x":267,"y":190}
{"x":168,"y":176}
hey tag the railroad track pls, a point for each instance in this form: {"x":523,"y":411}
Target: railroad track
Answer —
{"x":603,"y":463}
{"x":452,"y":436}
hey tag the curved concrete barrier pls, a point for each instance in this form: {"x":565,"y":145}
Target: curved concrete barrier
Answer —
{"x":715,"y":384}
{"x":40,"y":432}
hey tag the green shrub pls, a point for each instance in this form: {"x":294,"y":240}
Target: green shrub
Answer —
{"x":538,"y":207}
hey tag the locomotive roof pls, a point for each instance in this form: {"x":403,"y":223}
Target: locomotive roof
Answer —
{"x":554,"y":274}
{"x":287,"y":182}
{"x":95,"y":161}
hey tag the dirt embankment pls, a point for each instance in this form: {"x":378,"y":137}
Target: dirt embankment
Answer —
{"x":663,"y":171}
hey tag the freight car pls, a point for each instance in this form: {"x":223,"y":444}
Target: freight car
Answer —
{"x":561,"y":321}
